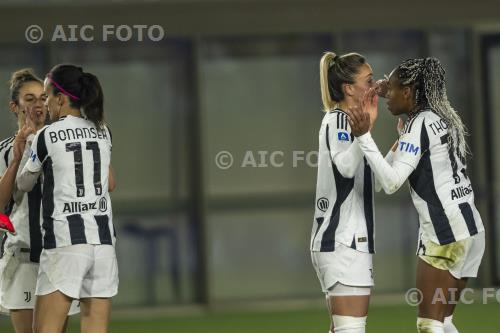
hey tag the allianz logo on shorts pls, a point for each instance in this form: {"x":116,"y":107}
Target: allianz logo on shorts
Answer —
{"x":80,"y":207}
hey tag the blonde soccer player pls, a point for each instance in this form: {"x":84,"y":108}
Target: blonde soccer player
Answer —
{"x":342,"y":240}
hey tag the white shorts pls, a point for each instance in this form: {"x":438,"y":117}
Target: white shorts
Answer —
{"x":79,"y":271}
{"x":344,"y":265}
{"x":18,"y":276}
{"x":462,"y":259}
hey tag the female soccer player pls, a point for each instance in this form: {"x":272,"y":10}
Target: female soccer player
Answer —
{"x":342,"y":241}
{"x":8,"y":173}
{"x":19,"y":263}
{"x":78,"y":259}
{"x":431,"y":154}
{"x":10,"y":152}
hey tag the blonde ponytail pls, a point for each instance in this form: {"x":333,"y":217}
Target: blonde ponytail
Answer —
{"x":324,"y":66}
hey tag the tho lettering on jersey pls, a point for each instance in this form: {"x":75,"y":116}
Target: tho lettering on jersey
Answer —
{"x":438,"y":126}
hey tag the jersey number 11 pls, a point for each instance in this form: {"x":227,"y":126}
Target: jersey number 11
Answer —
{"x":76,"y":148}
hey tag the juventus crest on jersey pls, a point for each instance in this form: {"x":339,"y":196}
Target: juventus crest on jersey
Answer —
{"x":344,"y":190}
{"x":75,"y":157}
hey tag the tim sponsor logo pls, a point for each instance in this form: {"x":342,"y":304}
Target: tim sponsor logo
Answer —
{"x":409,"y":148}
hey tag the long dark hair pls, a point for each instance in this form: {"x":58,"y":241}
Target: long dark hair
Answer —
{"x":83,"y":90}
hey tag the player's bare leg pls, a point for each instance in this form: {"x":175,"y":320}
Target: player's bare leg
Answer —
{"x":51,"y":312}
{"x":449,"y":327}
{"x":22,"y":320}
{"x":330,"y":313}
{"x":94,"y":314}
{"x":355,"y":306}
{"x":351,"y":309}
{"x":437,"y":287}
{"x":65,"y":327}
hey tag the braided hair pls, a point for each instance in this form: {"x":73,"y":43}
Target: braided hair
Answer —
{"x":426,"y":76}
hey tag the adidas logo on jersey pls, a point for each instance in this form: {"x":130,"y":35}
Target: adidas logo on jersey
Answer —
{"x":461,"y":192}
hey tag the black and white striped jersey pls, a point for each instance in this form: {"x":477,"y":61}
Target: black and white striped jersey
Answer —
{"x":75,"y":158}
{"x":440,"y":188}
{"x":23,"y":210}
{"x":344,"y":190}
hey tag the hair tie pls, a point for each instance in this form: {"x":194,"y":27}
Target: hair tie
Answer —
{"x":61,"y":88}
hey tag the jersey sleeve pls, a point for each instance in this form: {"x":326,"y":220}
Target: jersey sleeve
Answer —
{"x":4,"y":158}
{"x":38,"y":153}
{"x":389,"y":159}
{"x":409,"y":149}
{"x":343,"y":147}
{"x":391,"y":176}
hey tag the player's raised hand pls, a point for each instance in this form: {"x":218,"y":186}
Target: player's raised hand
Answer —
{"x":20,"y":140}
{"x":359,"y":120}
{"x":30,"y":116}
{"x":369,"y":105}
{"x":382,"y":87}
{"x":400,"y":127}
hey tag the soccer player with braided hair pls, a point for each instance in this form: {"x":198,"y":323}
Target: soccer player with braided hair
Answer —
{"x":431,"y":153}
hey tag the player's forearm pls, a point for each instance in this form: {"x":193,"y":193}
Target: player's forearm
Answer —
{"x":7,"y":184}
{"x":112,"y":181}
{"x":347,"y":162}
{"x":389,"y":157}
{"x":389,"y":177}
